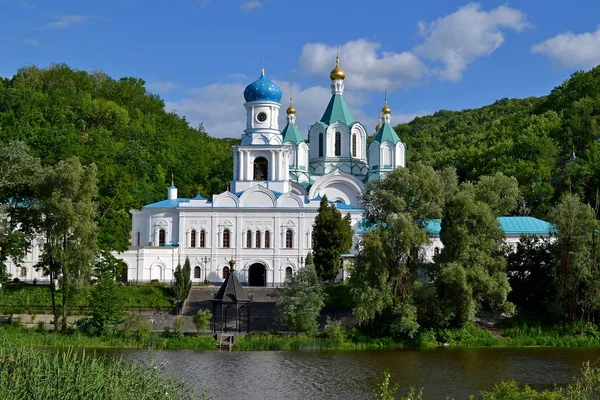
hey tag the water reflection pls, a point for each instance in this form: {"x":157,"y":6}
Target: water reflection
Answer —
{"x":353,"y":375}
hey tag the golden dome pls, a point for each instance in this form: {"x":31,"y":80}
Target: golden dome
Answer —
{"x":378,"y":127}
{"x":337,"y":72}
{"x":290,"y":109}
{"x":386,"y":109}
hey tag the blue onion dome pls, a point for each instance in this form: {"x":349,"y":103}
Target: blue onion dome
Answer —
{"x":262,"y":90}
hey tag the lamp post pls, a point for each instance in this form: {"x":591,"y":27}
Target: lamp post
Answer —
{"x":205,"y":260}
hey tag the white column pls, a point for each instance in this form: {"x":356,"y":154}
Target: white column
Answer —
{"x":272,"y":166}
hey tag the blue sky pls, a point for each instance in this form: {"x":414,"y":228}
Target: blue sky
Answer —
{"x":198,"y":55}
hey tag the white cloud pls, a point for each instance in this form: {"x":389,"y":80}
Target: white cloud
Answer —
{"x":162,"y":87}
{"x":64,"y":21}
{"x":569,"y":50}
{"x":250,"y":5}
{"x":365,"y":65}
{"x":33,"y":42}
{"x":457,"y":39}
{"x":236,"y":76}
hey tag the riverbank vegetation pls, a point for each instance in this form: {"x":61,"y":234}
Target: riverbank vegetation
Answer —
{"x":585,"y":387}
{"x":15,"y":336}
{"x":31,"y":374}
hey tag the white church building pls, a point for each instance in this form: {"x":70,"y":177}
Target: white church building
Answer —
{"x":265,"y":220}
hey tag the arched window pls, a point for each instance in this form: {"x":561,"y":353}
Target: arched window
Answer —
{"x":197,"y":272}
{"x":338,"y":144}
{"x":321,"y":144}
{"x":354,"y":145}
{"x":436,"y":251}
{"x":267,"y":239}
{"x":226,"y":238}
{"x":313,"y":240}
{"x":161,"y":237}
{"x":202,"y":238}
{"x":289,"y":239}
{"x":139,"y":239}
{"x":193,"y":238}
{"x":249,"y":239}
{"x":23,"y":272}
{"x":261,"y":169}
{"x":288,"y":272}
{"x":258,"y":240}
{"x":225,"y":272}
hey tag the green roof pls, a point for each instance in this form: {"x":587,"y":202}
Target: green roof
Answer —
{"x":291,"y":134}
{"x":386,"y":134}
{"x":337,"y":110}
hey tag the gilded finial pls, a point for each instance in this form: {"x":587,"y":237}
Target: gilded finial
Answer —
{"x":172,"y":180}
{"x":386,"y":109}
{"x":337,"y":72}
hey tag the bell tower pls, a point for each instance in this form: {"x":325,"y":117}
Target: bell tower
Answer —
{"x":261,"y":158}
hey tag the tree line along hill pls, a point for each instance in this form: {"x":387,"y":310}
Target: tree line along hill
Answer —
{"x":551,"y":144}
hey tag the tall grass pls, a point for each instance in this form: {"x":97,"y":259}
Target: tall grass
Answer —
{"x":30,"y":374}
{"x":14,"y":337}
{"x":276,"y":342}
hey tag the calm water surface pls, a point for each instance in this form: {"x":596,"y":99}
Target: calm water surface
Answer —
{"x":353,"y":375}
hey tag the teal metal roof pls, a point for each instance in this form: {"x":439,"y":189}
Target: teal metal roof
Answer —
{"x":386,"y":134}
{"x":291,"y":134}
{"x":510,"y":226}
{"x":337,"y":110}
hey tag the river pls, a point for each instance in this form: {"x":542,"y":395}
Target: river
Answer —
{"x":441,"y":372}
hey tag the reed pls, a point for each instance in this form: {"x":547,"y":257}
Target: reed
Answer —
{"x":287,"y":342}
{"x":30,"y":374}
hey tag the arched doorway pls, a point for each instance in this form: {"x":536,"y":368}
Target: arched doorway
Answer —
{"x":257,"y":275}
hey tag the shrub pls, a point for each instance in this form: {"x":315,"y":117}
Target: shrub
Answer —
{"x":202,"y":320}
{"x":333,"y":331}
{"x":178,"y":325}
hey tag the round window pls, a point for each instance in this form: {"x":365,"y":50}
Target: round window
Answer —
{"x":261,"y":117}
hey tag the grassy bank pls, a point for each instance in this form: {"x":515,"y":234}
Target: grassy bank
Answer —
{"x":331,"y":339}
{"x":15,"y":337}
{"x":17,"y":298}
{"x":30,"y":374}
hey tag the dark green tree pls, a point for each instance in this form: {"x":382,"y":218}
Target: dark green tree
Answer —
{"x":332,"y":237}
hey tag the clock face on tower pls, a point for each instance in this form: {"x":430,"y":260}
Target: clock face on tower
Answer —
{"x":261,"y":117}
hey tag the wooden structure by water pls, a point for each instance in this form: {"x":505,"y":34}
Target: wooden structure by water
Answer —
{"x":231,"y":296}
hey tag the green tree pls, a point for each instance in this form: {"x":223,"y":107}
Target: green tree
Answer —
{"x":575,"y":228}
{"x":66,"y":194}
{"x":333,"y":237}
{"x":531,"y":269}
{"x":300,"y":300}
{"x":19,"y":175}
{"x":389,"y":262}
{"x":106,"y":300}
{"x":473,"y":242}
